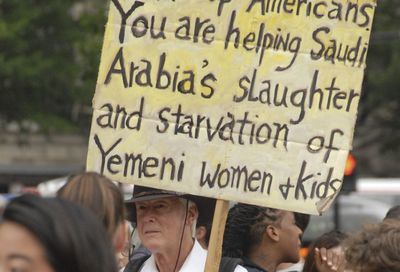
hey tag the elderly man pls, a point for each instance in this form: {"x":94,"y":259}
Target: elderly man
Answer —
{"x":166,"y":223}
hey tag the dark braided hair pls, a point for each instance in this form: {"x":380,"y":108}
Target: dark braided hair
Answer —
{"x":245,"y":227}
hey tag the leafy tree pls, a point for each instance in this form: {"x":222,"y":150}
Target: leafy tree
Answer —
{"x":49,"y":57}
{"x":50,"y":54}
{"x":378,"y":123}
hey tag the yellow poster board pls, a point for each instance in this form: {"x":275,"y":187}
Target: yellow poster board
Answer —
{"x":251,"y":101}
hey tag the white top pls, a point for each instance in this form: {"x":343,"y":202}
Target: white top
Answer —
{"x":297,"y":267}
{"x":195,"y":261}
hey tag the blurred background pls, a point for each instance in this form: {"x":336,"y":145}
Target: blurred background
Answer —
{"x":49,"y":58}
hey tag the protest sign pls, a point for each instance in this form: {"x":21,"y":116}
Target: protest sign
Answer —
{"x":252,"y":101}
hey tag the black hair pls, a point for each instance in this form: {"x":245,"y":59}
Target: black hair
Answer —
{"x":244,"y":228}
{"x":327,"y":240}
{"x":393,"y":213}
{"x":73,"y":238}
{"x":302,"y":220}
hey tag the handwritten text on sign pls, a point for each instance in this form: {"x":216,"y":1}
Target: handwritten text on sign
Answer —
{"x":252,"y":101}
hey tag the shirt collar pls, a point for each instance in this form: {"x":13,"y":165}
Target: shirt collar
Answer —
{"x":195,"y":261}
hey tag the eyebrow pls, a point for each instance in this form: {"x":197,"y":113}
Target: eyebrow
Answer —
{"x":19,"y":256}
{"x":157,"y":201}
{"x":162,"y":201}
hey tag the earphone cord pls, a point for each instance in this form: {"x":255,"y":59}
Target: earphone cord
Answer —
{"x":183,"y":231}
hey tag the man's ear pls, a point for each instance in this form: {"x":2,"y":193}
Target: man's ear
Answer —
{"x":192,"y":214}
{"x":272,"y":233}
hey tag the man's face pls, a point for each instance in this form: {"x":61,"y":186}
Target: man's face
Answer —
{"x":160,"y":223}
{"x":290,"y":238}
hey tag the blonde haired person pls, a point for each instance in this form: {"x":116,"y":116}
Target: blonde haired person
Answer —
{"x":100,"y":195}
{"x":376,"y":248}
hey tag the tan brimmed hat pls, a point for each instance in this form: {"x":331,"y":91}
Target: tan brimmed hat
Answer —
{"x":205,"y":205}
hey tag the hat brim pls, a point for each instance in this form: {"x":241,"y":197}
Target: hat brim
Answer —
{"x":153,"y":197}
{"x":204,"y":205}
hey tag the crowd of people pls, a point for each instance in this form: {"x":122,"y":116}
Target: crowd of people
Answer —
{"x":89,"y":227}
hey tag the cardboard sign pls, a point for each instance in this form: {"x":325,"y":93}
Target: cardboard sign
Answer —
{"x":249,"y":101}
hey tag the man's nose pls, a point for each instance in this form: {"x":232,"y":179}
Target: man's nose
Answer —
{"x":148,"y":215}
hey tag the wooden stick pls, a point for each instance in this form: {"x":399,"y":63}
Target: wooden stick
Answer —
{"x":217,"y":236}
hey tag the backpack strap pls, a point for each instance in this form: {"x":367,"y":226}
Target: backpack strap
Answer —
{"x":229,"y":264}
{"x":135,"y":264}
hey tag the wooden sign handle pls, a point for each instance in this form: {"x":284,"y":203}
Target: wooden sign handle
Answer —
{"x":217,"y":236}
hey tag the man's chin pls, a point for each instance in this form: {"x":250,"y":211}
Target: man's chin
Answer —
{"x":152,"y":244}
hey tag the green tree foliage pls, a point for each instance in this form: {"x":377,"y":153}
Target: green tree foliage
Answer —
{"x":380,"y":105}
{"x":49,"y":57}
{"x":50,"y":53}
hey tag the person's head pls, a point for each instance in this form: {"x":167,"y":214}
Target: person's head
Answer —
{"x":49,"y":235}
{"x":393,"y":213}
{"x":302,"y":221}
{"x":376,"y":248}
{"x":100,"y":195}
{"x":164,"y":219}
{"x":161,"y":223}
{"x":252,"y":228}
{"x":203,"y":228}
{"x":330,"y":240}
{"x":203,"y":231}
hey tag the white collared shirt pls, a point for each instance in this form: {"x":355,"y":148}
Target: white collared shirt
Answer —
{"x":195,"y":261}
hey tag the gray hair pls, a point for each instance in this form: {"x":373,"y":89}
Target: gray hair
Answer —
{"x":187,"y":204}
